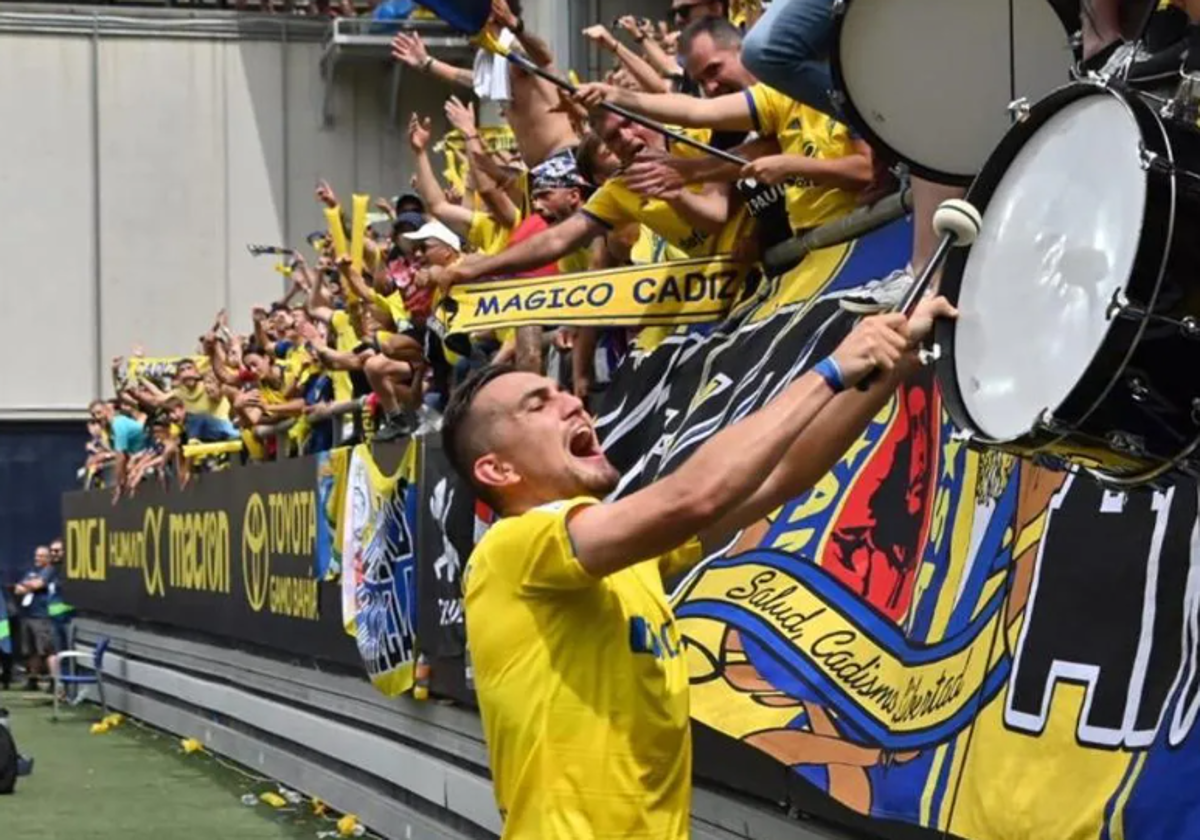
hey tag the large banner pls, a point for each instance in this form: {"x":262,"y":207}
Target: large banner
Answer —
{"x":232,"y":556}
{"x":379,"y":570}
{"x":956,"y":640}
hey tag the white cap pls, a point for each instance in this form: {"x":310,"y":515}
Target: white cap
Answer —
{"x":433,"y":229}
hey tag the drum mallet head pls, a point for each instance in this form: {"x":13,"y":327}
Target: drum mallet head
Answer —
{"x":958,"y":220}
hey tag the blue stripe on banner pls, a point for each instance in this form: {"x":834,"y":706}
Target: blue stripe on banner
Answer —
{"x":798,"y":674}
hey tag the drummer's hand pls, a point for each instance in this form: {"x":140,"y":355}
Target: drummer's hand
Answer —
{"x":920,"y":325}
{"x":877,"y":342}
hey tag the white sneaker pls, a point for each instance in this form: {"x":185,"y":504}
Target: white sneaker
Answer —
{"x":879,"y":295}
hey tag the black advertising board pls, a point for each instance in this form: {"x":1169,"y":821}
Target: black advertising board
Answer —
{"x":231,"y":556}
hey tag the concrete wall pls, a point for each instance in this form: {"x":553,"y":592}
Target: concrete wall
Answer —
{"x":134,"y":169}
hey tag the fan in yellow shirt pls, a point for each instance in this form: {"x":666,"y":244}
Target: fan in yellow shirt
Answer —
{"x":699,"y":221}
{"x":821,"y":163}
{"x":578,"y":664}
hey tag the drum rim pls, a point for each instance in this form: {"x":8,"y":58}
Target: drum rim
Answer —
{"x":1150,"y":243}
{"x":853,"y":117}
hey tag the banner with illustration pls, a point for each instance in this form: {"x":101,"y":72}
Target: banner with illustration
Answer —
{"x":949,"y":638}
{"x":379,"y":564}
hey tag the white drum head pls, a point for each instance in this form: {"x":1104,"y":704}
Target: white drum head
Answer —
{"x":933,"y":79}
{"x":1059,"y":237}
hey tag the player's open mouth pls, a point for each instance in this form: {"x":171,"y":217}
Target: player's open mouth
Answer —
{"x":582,"y":443}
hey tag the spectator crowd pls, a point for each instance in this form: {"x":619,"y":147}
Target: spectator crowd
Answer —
{"x":569,"y":187}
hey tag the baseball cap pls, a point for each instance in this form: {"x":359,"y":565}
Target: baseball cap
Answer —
{"x":414,"y":220}
{"x":434,"y":229}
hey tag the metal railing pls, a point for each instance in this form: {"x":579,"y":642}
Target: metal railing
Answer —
{"x":348,"y":419}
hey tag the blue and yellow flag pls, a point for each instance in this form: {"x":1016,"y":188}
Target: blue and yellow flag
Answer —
{"x":379,"y":567}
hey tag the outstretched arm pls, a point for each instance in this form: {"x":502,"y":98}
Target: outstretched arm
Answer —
{"x":819,"y":448}
{"x":546,"y":247}
{"x":724,"y":113}
{"x":641,"y":70}
{"x":483,"y":168}
{"x":455,"y":217}
{"x":409,"y":49}
{"x":729,"y":467}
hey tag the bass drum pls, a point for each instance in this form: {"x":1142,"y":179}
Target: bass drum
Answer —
{"x":931,"y":81}
{"x":1079,"y":328}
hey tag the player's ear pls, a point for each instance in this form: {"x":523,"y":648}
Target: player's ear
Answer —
{"x":492,"y":471}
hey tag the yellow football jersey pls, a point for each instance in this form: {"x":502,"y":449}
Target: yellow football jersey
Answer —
{"x":582,"y":686}
{"x":802,"y":130}
{"x":486,"y":235}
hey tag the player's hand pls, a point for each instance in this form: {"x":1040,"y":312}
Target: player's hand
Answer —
{"x":920,"y":325}
{"x":877,"y":342}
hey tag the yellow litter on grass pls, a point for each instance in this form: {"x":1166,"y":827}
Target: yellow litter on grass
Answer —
{"x":191,"y":745}
{"x":273,"y":799}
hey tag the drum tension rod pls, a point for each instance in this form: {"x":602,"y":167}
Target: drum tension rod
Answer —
{"x":1019,"y":109}
{"x":1154,"y":162}
{"x":1120,"y":306}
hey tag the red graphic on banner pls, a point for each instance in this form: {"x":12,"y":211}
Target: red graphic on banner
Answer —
{"x":876,"y":544}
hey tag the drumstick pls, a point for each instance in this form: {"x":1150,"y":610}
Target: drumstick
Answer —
{"x":959,"y":223}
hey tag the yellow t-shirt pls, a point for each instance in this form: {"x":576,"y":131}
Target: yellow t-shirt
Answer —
{"x":802,"y":130}
{"x":343,"y":328}
{"x":486,"y":235}
{"x":576,"y":261}
{"x":582,"y":686}
{"x":394,"y":305}
{"x":615,"y":205}
{"x":197,"y":401}
{"x":346,"y":339}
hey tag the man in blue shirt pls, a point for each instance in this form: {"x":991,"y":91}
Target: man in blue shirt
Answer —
{"x":126,"y":433}
{"x":33,"y":594}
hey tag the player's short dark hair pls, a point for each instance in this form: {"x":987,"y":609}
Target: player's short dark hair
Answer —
{"x":722,"y":32}
{"x":464,"y":437}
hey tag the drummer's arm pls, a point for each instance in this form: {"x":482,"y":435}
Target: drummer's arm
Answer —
{"x":813,"y":454}
{"x":724,"y":113}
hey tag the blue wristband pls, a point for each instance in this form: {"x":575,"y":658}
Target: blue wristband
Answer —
{"x":828,"y":370}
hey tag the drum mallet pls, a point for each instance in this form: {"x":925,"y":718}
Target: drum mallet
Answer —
{"x":958,"y":223}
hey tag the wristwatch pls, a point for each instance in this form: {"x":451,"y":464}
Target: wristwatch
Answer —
{"x":426,"y":64}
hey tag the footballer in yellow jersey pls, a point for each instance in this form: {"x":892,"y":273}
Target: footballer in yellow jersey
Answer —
{"x":582,"y":685}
